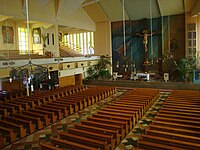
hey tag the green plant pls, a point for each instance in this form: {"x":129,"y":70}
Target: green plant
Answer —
{"x":103,"y":62}
{"x":92,"y":73}
{"x":99,"y":70}
{"x":185,"y":69}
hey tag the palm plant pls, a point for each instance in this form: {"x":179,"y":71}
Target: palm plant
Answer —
{"x":185,"y":68}
{"x":44,"y":38}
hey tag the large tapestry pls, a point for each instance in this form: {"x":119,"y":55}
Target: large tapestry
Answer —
{"x":142,"y":37}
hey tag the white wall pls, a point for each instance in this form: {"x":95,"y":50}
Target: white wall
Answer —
{"x":102,"y":36}
{"x":51,"y":32}
{"x":78,"y":19}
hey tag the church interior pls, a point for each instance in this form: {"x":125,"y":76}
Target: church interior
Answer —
{"x":99,"y":74}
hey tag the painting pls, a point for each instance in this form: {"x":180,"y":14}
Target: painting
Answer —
{"x":36,"y":36}
{"x":8,"y":34}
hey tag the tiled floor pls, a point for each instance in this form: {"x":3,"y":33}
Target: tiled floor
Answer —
{"x":32,"y":142}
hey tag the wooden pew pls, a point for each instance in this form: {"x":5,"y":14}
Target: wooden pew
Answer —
{"x":139,"y":101}
{"x":136,"y":104}
{"x":44,"y":146}
{"x":114,"y":110}
{"x":63,"y":109}
{"x":79,"y":101}
{"x":43,"y":117}
{"x":3,"y":112}
{"x":173,"y":135}
{"x":35,"y":100}
{"x":10,"y":109}
{"x":171,"y":142}
{"x":183,"y":121}
{"x":192,"y":109}
{"x":180,"y":110}
{"x":50,"y":115}
{"x":69,"y":107}
{"x":85,"y":100}
{"x":127,"y":106}
{"x":137,"y":109}
{"x":73,"y":107}
{"x":83,"y":140}
{"x":174,"y":103}
{"x":111,"y":122}
{"x":117,"y":114}
{"x":28,"y":124}
{"x":178,"y":113}
{"x":24,"y":105}
{"x":179,"y":116}
{"x":71,"y":145}
{"x":156,"y":146}
{"x":95,"y":129}
{"x":105,"y":126}
{"x":35,"y":120}
{"x":175,"y":130}
{"x":2,"y":141}
{"x":96,"y":136}
{"x":16,"y":106}
{"x":127,"y":121}
{"x":77,"y":105}
{"x":176,"y":125}
{"x":12,"y":136}
{"x":31,"y":103}
{"x":16,"y":127}
{"x":182,"y":101}
{"x":56,"y":111}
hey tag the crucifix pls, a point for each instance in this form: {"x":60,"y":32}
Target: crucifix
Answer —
{"x":145,"y":36}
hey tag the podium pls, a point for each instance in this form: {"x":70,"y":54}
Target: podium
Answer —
{"x":166,"y":77}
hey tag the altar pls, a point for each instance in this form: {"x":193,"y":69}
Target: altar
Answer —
{"x":140,"y":76}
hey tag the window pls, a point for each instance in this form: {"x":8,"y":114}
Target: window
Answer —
{"x":80,"y":42}
{"x":192,"y":40}
{"x":23,"y":40}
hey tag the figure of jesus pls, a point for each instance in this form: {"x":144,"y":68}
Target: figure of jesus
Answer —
{"x":145,"y":40}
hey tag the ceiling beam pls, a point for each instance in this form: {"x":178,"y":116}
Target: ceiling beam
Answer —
{"x":158,"y":7}
{"x":125,"y":13}
{"x":90,"y":2}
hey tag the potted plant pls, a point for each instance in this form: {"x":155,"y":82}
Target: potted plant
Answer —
{"x":100,"y":70}
{"x":185,"y":69}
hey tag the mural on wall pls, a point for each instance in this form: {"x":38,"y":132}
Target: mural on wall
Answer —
{"x":8,"y":34}
{"x":36,"y":35}
{"x":143,"y":44}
